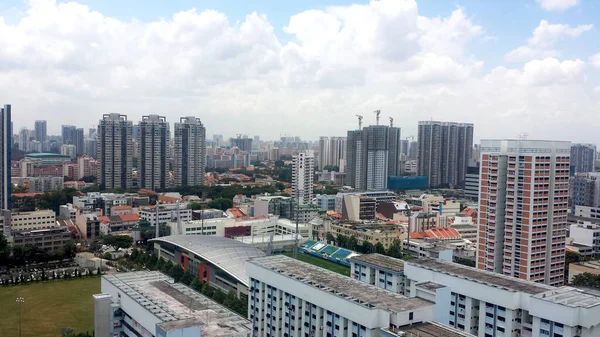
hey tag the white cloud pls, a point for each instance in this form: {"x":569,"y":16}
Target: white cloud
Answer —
{"x":595,"y":60}
{"x":557,"y":5}
{"x":545,"y":37}
{"x":69,"y":64}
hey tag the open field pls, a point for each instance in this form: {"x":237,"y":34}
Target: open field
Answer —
{"x":338,"y":268}
{"x":49,"y":307}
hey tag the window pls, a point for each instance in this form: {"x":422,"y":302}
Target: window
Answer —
{"x":410,"y":316}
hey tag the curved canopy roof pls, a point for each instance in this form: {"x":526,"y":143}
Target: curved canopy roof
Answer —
{"x":229,"y":255}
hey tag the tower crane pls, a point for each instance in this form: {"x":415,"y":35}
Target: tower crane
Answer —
{"x":377,"y":112}
{"x":391,"y":122}
{"x":359,"y":121}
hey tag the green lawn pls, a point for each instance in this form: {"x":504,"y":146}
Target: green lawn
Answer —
{"x":319,"y":262}
{"x":49,"y":307}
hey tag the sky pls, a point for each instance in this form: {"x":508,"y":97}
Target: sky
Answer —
{"x":307,"y":68}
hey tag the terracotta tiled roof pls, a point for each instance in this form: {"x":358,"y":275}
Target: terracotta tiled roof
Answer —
{"x":121,"y":208}
{"x":104,"y":219}
{"x":236,"y":212}
{"x":129,"y":217}
{"x":23,"y":195}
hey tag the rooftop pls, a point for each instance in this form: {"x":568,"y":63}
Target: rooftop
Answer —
{"x":382,"y":261}
{"x":482,"y":276}
{"x":571,"y":297}
{"x":344,"y":287}
{"x":432,"y":286}
{"x":427,"y":330}
{"x":178,"y":306}
{"x":228,"y":254}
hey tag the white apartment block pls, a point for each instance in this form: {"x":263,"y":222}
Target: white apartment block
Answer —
{"x":115,"y":151}
{"x":379,"y":270}
{"x":68,"y":150}
{"x":151,"y":304}
{"x":523,"y":205}
{"x":290,"y":298}
{"x":166,"y":213}
{"x":303,"y":171}
{"x":28,"y":221}
{"x":487,"y":304}
{"x":587,"y":234}
{"x":189,"y":152}
{"x":153,"y":137}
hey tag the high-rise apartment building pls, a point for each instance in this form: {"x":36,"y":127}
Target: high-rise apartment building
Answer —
{"x":115,"y":151}
{"x":332,"y":152}
{"x":153,"y":137}
{"x":583,"y":158}
{"x":24,"y":139}
{"x":190,"y":152}
{"x":444,"y":149}
{"x":71,"y":135}
{"x":523,"y":203}
{"x":584,"y":189}
{"x":5,"y":148}
{"x":243,"y":143}
{"x":303,"y":171}
{"x":41,"y":131}
{"x":372,"y":154}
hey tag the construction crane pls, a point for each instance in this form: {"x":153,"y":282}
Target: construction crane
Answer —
{"x":391,"y":122}
{"x":411,"y":137}
{"x":377,"y":112}
{"x":359,"y":121}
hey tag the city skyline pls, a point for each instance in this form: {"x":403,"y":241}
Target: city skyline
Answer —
{"x":309,"y":68}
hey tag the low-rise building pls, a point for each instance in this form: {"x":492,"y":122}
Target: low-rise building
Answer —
{"x":49,"y":239}
{"x":485,"y":304}
{"x":39,"y":184}
{"x":326,"y":202}
{"x":89,"y":226}
{"x":358,"y":207}
{"x":586,"y":234}
{"x":29,"y":221}
{"x":295,"y":299}
{"x":373,"y":233}
{"x":152,"y":304}
{"x":166,"y":213}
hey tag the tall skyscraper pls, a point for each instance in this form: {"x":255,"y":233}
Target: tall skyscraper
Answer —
{"x":190,"y":152}
{"x":153,"y":138}
{"x":244,"y":144}
{"x":373,"y":154}
{"x":67,"y":133}
{"x":584,"y":189}
{"x":218,"y":139}
{"x":5,"y":148}
{"x":444,"y":150}
{"x":583,"y":158}
{"x":41,"y":131}
{"x":523,"y":203}
{"x":332,"y":151}
{"x":24,"y":140}
{"x":303,"y":171}
{"x":115,"y":151}
{"x":79,"y":141}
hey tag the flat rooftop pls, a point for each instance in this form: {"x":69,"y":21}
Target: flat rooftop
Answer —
{"x":570,"y":297}
{"x":381,"y":261}
{"x":178,"y":306}
{"x":344,"y":287}
{"x":427,"y":330}
{"x":482,"y":276}
{"x":432,"y":286}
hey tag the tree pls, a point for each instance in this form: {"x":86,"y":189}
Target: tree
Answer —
{"x":395,"y":249}
{"x":351,"y":243}
{"x":177,"y":272}
{"x":207,"y":290}
{"x":117,"y":241}
{"x":107,"y":256}
{"x":331,"y":168}
{"x":230,"y":300}
{"x":341,"y":241}
{"x":221,"y":203}
{"x":218,"y":296}
{"x":187,"y":278}
{"x":367,"y":247}
{"x":70,"y":250}
{"x":379,"y":249}
{"x":196,"y":285}
{"x":329,"y":237}
{"x":67,"y":331}
{"x":4,"y":251}
{"x":586,"y":280}
{"x":194,"y":205}
{"x":279,"y":163}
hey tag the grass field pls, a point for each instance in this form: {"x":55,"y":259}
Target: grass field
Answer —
{"x":319,"y":262}
{"x":49,"y":307}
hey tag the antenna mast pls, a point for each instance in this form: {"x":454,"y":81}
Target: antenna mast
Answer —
{"x":377,"y":112}
{"x":359,"y":121}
